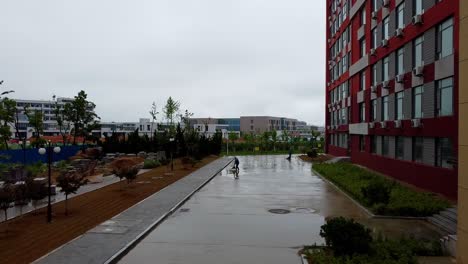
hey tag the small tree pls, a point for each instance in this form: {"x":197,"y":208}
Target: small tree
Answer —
{"x":274,"y":139}
{"x":170,"y":110}
{"x":69,"y":183}
{"x":62,"y":122}
{"x":36,"y":119}
{"x":7,"y":197}
{"x":154,"y":114}
{"x":129,"y":173}
{"x":7,"y":116}
{"x":233,"y":136}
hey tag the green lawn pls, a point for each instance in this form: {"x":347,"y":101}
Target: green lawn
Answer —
{"x":402,"y":201}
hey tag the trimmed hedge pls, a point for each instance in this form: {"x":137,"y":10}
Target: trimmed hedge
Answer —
{"x":360,"y":183}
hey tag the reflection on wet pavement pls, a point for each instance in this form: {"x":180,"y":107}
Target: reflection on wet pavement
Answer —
{"x":230,"y":220}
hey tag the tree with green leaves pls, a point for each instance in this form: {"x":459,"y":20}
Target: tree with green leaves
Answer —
{"x":7,"y":116}
{"x":154,"y":113}
{"x":233,"y":137}
{"x":171,"y":109}
{"x":62,"y":122}
{"x":70,"y":182}
{"x":274,"y":139}
{"x":81,"y":113}
{"x":36,"y":120}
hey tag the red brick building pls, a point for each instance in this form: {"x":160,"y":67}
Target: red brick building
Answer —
{"x":392,"y":88}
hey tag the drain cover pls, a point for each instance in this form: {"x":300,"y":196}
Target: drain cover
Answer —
{"x":184,"y":210}
{"x":279,"y":211}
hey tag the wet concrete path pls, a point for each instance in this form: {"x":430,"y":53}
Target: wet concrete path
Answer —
{"x":228,"y":221}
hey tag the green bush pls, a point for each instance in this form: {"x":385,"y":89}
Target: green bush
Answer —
{"x":377,"y":192}
{"x":398,"y":251}
{"x":151,"y":164}
{"x":403,"y":201}
{"x":346,"y":237}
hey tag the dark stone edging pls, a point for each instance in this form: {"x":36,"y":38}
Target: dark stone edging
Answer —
{"x":365,"y":209}
{"x":127,"y":248}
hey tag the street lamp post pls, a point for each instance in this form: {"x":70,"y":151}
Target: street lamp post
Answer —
{"x":49,"y":151}
{"x":172,"y":159}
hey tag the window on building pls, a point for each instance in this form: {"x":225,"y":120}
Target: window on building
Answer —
{"x":375,"y":5}
{"x":373,"y":144}
{"x":445,"y":39}
{"x":445,"y":97}
{"x":374,"y":38}
{"x":417,"y":102}
{"x":385,"y":28}
{"x":374,"y":110}
{"x":417,"y":7}
{"x":345,"y":63}
{"x":362,"y":112}
{"x":345,"y":10}
{"x":400,"y":61}
{"x":362,"y":143}
{"x":399,"y":105}
{"x":444,"y":153}
{"x":418,"y":52}
{"x":400,"y":16}
{"x":363,"y":16}
{"x":418,"y":144}
{"x":363,"y":80}
{"x":362,"y":45}
{"x":399,"y":147}
{"x":385,"y":72}
{"x":385,"y":146}
{"x":385,"y":108}
{"x":374,"y":74}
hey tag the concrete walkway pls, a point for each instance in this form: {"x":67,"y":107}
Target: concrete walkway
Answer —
{"x":108,"y":180}
{"x":229,"y":220}
{"x":111,"y":238}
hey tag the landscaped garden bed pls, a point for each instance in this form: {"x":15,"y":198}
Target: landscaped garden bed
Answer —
{"x":26,"y":238}
{"x":381,"y":195}
{"x":351,"y":243}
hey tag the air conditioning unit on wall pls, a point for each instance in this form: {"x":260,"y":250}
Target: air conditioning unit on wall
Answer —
{"x":386,"y":3}
{"x":416,"y":123}
{"x":385,"y":84}
{"x":373,"y":88}
{"x":397,"y":123}
{"x":418,"y":71}
{"x":372,"y":52}
{"x":385,"y":42}
{"x":371,"y":125}
{"x":399,"y":32}
{"x":400,"y":78}
{"x":383,"y":124}
{"x":417,"y":20}
{"x":374,"y":15}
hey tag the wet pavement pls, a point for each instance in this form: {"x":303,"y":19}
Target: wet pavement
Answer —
{"x":229,"y":221}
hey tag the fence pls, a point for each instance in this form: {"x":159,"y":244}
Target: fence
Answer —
{"x":30,"y":156}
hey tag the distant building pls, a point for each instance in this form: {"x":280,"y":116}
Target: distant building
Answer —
{"x":261,"y":124}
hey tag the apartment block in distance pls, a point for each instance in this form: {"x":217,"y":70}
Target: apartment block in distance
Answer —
{"x":261,"y":124}
{"x":392,"y":88}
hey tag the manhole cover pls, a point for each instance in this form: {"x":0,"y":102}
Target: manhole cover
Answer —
{"x":184,"y":210}
{"x":301,"y":210}
{"x":279,"y":211}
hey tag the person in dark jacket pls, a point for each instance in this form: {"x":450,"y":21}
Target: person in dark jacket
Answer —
{"x":236,"y":163}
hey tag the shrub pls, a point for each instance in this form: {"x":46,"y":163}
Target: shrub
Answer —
{"x":346,"y":237}
{"x":129,"y":173}
{"x":151,"y":164}
{"x":403,"y":201}
{"x":377,"y":192}
{"x":312,"y":154}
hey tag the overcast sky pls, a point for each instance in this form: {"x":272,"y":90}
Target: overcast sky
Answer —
{"x":219,"y":58}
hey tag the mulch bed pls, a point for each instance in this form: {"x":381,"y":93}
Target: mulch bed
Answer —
{"x":29,"y":237}
{"x":318,"y":159}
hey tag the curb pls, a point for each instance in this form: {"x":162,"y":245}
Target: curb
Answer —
{"x":304,"y":259}
{"x":124,"y":251}
{"x":368,"y":212}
